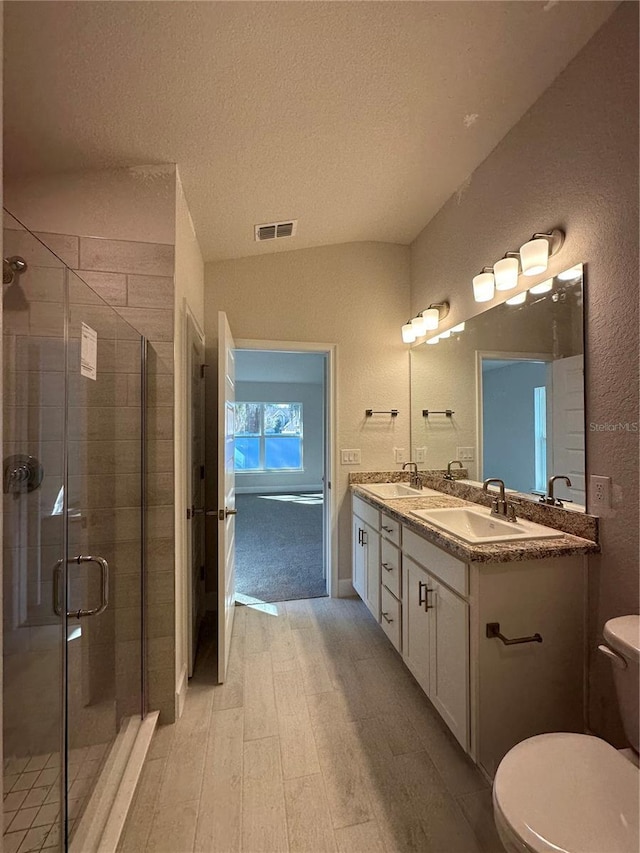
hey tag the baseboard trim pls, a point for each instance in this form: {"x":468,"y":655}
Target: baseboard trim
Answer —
{"x":345,"y":589}
{"x":181,"y":692}
{"x":277,"y":490}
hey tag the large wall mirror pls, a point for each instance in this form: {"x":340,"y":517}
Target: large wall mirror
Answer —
{"x":505,"y":395}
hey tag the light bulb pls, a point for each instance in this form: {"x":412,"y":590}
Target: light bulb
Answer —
{"x":543,"y":287}
{"x":570,"y":274}
{"x":408,"y":333}
{"x":534,"y":256}
{"x":418,"y":325}
{"x":434,"y":340}
{"x":518,"y":299}
{"x":458,"y":328}
{"x":483,"y":287}
{"x":431,"y":318}
{"x":506,"y":273}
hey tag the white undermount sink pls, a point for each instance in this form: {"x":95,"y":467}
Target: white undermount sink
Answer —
{"x":477,"y":526}
{"x":397,"y":490}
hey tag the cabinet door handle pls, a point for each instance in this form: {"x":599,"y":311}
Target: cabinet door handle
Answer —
{"x":385,"y":616}
{"x":364,"y":537}
{"x":422,"y":587}
{"x":387,"y":567}
{"x":428,"y":606}
{"x":360,"y":532}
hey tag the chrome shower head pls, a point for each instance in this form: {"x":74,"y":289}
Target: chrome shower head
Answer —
{"x":12,"y":267}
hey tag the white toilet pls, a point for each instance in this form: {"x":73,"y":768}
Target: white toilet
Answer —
{"x":572,"y":793}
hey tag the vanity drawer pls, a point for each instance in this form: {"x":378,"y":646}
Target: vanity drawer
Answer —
{"x":391,"y":573}
{"x":448,"y":569}
{"x":389,"y":528}
{"x":391,"y":611}
{"x":366,"y":512}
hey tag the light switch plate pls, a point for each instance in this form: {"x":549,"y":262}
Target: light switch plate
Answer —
{"x":351,"y":457}
{"x":400,"y":454}
{"x":465,"y":454}
{"x":420,"y":454}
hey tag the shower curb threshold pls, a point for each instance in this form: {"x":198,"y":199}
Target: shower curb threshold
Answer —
{"x":106,"y":814}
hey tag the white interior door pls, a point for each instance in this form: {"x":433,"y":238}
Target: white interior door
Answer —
{"x":226,"y":492}
{"x":195,"y":486}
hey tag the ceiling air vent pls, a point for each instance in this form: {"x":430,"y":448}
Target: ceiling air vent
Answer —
{"x":275,"y":230}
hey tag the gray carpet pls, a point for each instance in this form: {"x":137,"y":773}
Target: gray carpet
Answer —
{"x":279,"y":547}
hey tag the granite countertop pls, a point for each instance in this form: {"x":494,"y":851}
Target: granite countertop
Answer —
{"x":562,"y":545}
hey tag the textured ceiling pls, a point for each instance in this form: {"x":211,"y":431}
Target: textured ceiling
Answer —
{"x":358,"y":119}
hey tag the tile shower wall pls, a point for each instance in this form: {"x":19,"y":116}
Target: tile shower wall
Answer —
{"x":137,"y":280}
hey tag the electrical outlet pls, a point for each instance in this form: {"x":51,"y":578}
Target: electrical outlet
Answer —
{"x":420,"y":454}
{"x":350,"y":457}
{"x":465,"y":454}
{"x":600,"y":492}
{"x":400,"y":454}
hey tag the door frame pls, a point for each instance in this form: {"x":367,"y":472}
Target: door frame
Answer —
{"x":191,"y":328}
{"x":493,"y":355}
{"x":330,"y":517}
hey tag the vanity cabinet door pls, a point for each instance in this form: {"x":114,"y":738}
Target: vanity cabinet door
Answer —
{"x":358,"y":566}
{"x":449,"y":658}
{"x":372,"y":566}
{"x":416,"y":635}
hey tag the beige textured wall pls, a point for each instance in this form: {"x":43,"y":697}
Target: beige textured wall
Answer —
{"x":572,"y":162}
{"x":355,"y":295}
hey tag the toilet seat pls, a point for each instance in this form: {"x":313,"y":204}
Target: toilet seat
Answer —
{"x":568,"y":793}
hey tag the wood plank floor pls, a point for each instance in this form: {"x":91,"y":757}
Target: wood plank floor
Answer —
{"x":320,"y":740}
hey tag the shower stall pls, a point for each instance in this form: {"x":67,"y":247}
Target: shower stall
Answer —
{"x":74,"y":714}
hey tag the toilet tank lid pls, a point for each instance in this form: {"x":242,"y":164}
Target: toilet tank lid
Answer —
{"x":623,"y":634}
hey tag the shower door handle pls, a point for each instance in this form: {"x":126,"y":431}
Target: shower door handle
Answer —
{"x":104,"y":586}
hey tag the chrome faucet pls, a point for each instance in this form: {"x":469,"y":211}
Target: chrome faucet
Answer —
{"x":549,"y":498}
{"x":415,"y":480}
{"x":500,"y":506}
{"x":449,"y":475}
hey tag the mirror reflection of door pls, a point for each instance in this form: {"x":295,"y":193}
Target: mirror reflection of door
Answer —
{"x":515,"y":397}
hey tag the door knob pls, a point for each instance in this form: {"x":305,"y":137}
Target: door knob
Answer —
{"x":223,"y":513}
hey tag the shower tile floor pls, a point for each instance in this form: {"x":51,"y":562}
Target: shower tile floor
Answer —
{"x":32,"y":796}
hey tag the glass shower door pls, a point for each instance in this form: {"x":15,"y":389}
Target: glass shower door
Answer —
{"x":73,"y":555}
{"x":33,"y":540}
{"x":104,"y":554}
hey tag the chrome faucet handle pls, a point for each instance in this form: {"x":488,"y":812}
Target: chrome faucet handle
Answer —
{"x":449,"y":475}
{"x":550,"y":498}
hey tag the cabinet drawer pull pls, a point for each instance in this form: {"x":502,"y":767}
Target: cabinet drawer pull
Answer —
{"x":493,"y":630}
{"x":385,"y":616}
{"x":388,"y":529}
{"x":387,"y":567}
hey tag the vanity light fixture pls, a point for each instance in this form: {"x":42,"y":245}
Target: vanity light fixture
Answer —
{"x":419,"y":325}
{"x":543,"y":287}
{"x":436,"y":312}
{"x":484,"y":285}
{"x":458,"y":328}
{"x":434,"y":340}
{"x":446,"y":334}
{"x":427,"y":321}
{"x":518,"y":299}
{"x":506,"y":271}
{"x":408,"y":333}
{"x":535,"y":254}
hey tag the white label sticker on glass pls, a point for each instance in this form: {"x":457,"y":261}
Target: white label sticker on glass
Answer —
{"x":89,"y":352}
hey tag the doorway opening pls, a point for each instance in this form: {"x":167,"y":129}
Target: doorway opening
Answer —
{"x":281,"y":475}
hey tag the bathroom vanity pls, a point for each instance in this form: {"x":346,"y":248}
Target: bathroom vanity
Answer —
{"x":450,"y":609}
